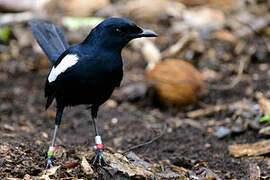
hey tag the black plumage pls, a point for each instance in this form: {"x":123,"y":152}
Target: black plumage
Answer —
{"x":86,"y":73}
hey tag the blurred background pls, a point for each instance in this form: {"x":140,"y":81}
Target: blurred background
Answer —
{"x":199,"y":90}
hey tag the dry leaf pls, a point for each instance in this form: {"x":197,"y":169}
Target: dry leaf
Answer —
{"x":86,"y":167}
{"x":138,"y":161}
{"x":51,"y":171}
{"x":120,"y":163}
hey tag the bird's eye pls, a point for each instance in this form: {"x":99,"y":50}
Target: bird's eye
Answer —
{"x":117,"y":30}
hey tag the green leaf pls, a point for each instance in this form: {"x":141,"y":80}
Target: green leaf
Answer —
{"x":75,"y":23}
{"x":5,"y":33}
{"x":265,"y":119}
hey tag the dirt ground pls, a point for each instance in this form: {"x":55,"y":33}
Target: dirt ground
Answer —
{"x":26,"y":129}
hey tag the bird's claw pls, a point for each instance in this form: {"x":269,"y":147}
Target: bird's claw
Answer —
{"x":51,"y":162}
{"x":99,"y":159}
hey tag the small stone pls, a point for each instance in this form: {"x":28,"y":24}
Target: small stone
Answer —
{"x":133,"y":92}
{"x":114,"y":120}
{"x":45,"y":135}
{"x":254,"y":124}
{"x":207,"y":145}
{"x":27,"y":177}
{"x":237,"y":129}
{"x":223,"y":132}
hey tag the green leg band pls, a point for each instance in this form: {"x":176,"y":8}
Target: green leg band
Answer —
{"x":50,"y":153}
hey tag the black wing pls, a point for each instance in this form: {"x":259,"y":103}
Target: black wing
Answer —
{"x":51,"y":87}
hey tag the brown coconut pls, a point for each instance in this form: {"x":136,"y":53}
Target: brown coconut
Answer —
{"x":175,"y":82}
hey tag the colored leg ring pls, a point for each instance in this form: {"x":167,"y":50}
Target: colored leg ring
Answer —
{"x":99,"y":146}
{"x":51,"y":151}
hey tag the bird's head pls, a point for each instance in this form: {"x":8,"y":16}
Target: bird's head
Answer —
{"x":116,"y":33}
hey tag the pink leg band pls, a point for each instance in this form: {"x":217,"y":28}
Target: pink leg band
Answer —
{"x":52,"y":149}
{"x":99,"y":146}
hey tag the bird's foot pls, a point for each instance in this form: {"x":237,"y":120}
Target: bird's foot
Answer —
{"x":51,"y":162}
{"x":99,"y":159}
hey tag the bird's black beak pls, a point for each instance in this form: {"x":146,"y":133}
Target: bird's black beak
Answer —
{"x":145,"y":33}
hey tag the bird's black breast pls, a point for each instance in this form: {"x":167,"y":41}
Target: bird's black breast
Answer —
{"x":90,"y":81}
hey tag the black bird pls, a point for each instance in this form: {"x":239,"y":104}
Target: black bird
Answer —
{"x":86,"y":73}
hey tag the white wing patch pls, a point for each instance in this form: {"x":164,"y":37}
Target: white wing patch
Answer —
{"x":68,"y":61}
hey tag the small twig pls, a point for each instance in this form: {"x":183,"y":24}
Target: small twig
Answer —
{"x":206,"y":111}
{"x":148,"y":142}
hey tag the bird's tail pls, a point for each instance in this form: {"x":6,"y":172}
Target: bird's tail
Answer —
{"x":50,"y":38}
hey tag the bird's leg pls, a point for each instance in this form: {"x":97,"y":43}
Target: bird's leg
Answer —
{"x":51,"y":159}
{"x":99,"y":159}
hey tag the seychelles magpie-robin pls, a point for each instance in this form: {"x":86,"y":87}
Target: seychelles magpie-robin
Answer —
{"x":86,"y":73}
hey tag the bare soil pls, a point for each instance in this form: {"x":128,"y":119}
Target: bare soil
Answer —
{"x":26,"y":129}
